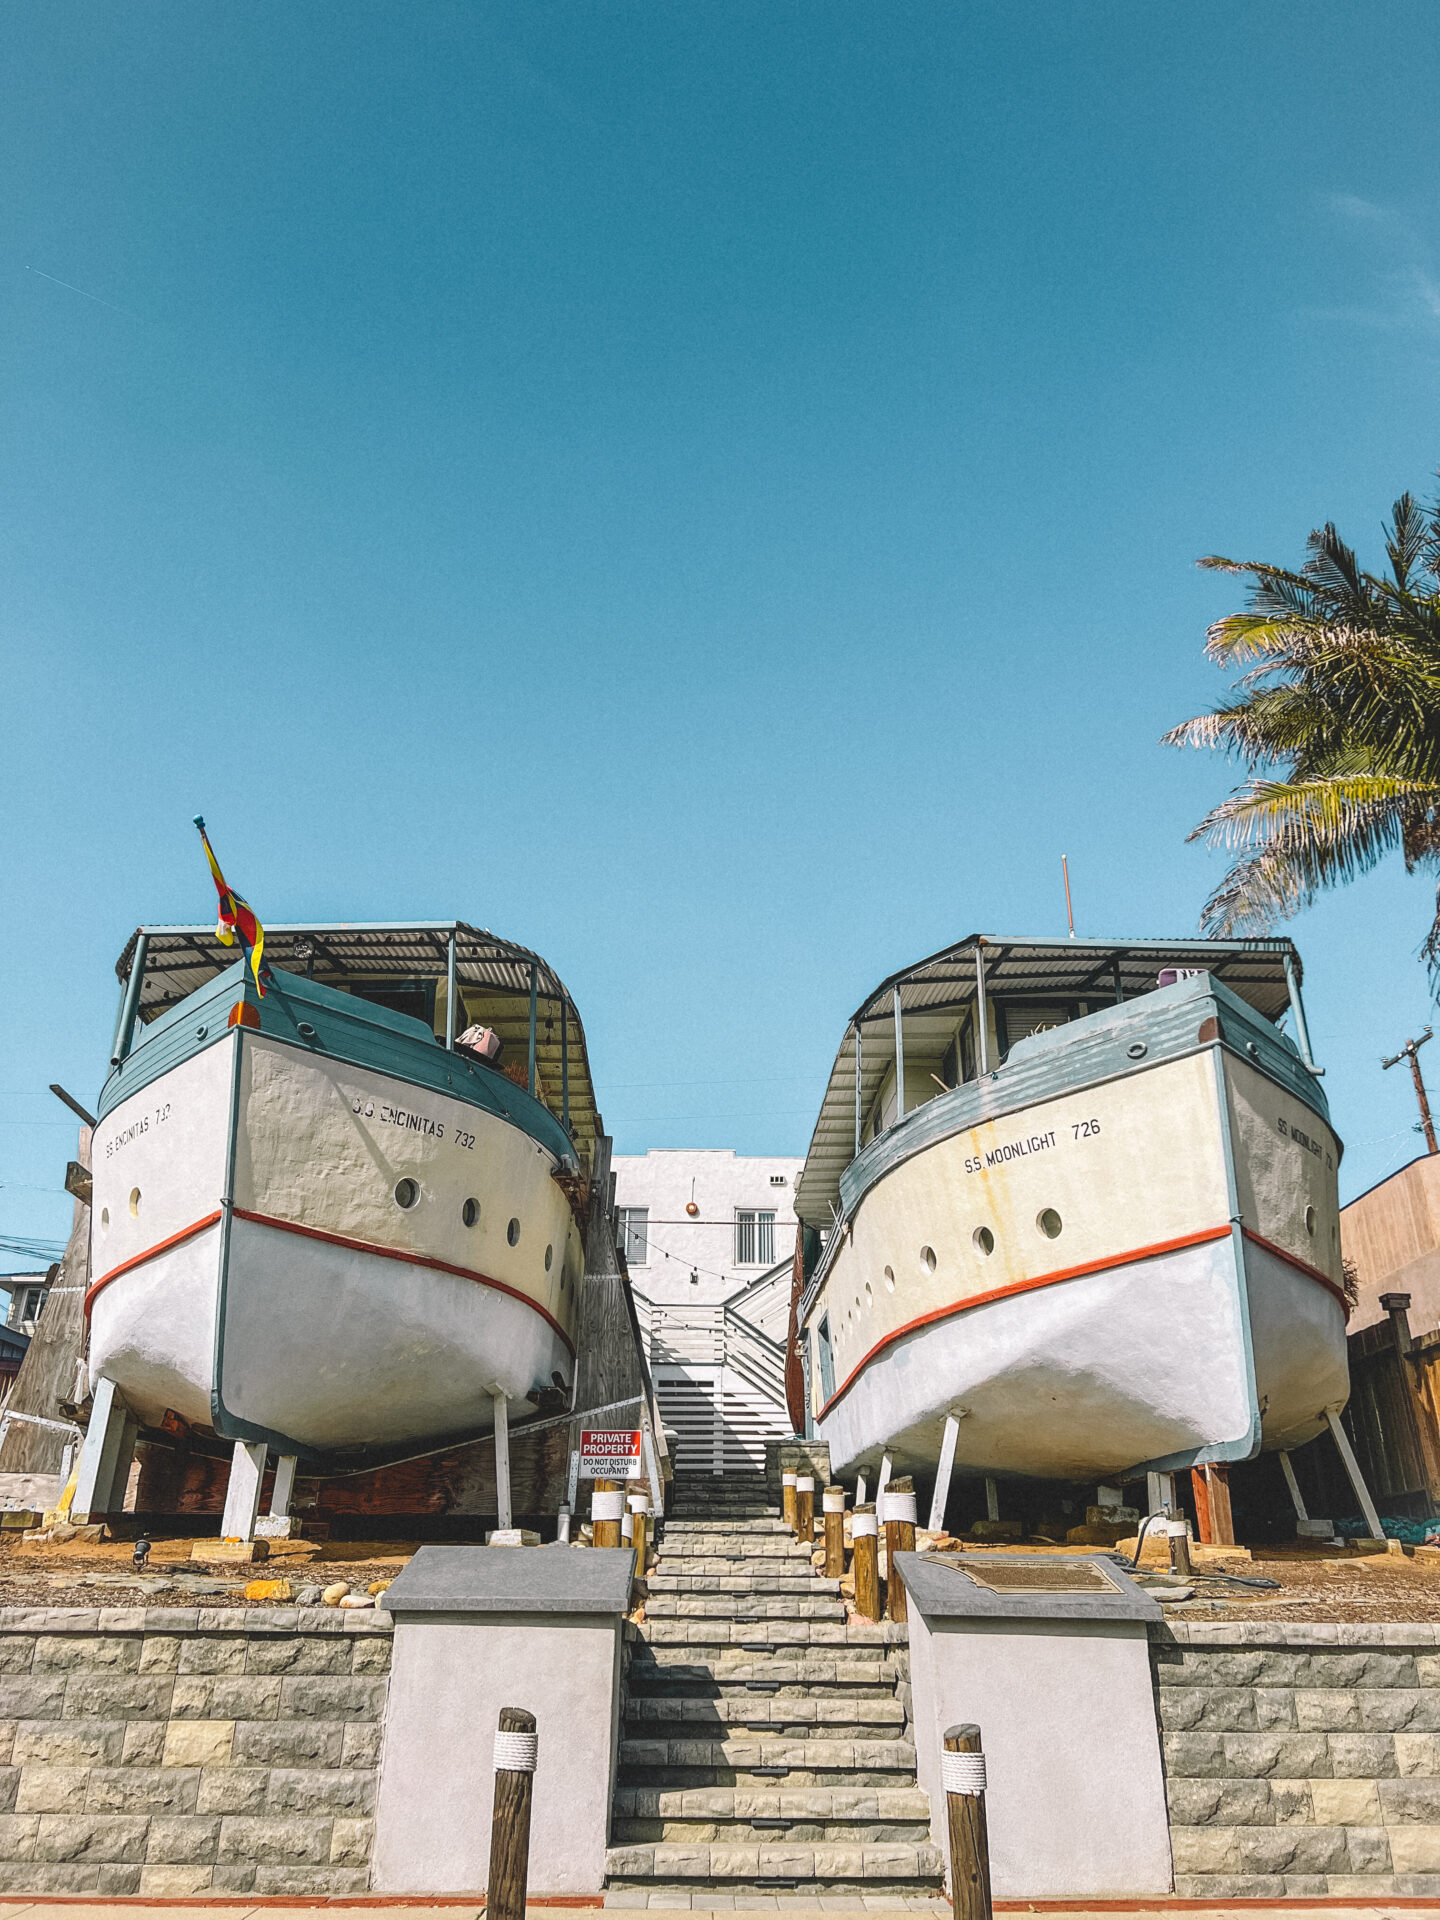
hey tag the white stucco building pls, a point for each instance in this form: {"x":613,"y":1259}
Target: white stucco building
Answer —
{"x":709,"y":1239}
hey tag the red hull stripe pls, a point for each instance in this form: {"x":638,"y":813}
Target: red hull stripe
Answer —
{"x":164,"y":1246}
{"x":1054,"y":1279}
{"x":1300,"y":1266}
{"x":337,"y":1240}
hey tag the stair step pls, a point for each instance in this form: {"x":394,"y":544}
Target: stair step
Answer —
{"x":877,"y":1864}
{"x":746,"y":1750}
{"x":741,"y":1584}
{"x":667,"y":1714}
{"x":861,"y":1805}
{"x":749,"y":1605}
{"x":677,"y":1668}
{"x":769,"y":1523}
{"x":834,"y":1634}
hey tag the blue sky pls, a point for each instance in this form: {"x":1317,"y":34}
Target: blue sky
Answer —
{"x":711,"y":493}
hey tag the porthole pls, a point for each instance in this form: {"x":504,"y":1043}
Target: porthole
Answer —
{"x":869,"y":1294}
{"x":1137,"y":1050}
{"x":1049,"y":1223}
{"x":512,"y":1232}
{"x":1310,"y":1221}
{"x":104,"y":1220}
{"x":134,"y":1203}
{"x":549,"y":1258}
{"x":983,"y":1241}
{"x":889,"y":1279}
{"x":928,"y":1260}
{"x":407,"y":1192}
{"x":200,"y":1032}
{"x":470,"y":1213}
{"x":305,"y":1030}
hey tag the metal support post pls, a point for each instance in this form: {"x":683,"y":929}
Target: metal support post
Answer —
{"x":242,"y":1491}
{"x":942,"y":1478}
{"x":502,"y":1458}
{"x":1297,"y":1007}
{"x":981,"y":1020}
{"x":899,"y":1060}
{"x":131,"y":1007}
{"x":283,"y":1491}
{"x":1296,"y":1498}
{"x":534,"y":1010}
{"x":450,"y":993}
{"x":859,"y":1107}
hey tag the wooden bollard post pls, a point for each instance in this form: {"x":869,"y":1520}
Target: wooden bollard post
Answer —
{"x":805,"y":1508}
{"x":865,"y":1540}
{"x":899,"y":1538}
{"x":607,"y":1506}
{"x":834,"y":1502}
{"x":787,"y":1498}
{"x":515,"y":1745}
{"x":639,"y":1528}
{"x":962,"y":1775}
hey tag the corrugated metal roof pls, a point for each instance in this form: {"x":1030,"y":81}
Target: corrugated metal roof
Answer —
{"x":494,"y":975}
{"x":935,"y":992}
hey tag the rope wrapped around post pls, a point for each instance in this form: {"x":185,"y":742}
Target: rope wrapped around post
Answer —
{"x":962,"y":1776}
{"x":805,"y":1508}
{"x":516,"y":1744}
{"x":834,"y":1504}
{"x":865,"y":1541}
{"x":899,"y":1538}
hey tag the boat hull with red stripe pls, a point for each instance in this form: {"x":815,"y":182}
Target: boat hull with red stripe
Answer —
{"x":292,"y":1244}
{"x":1120,"y":1251}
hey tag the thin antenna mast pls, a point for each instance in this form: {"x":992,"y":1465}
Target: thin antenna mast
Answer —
{"x":1411,"y":1052}
{"x":1069,"y":911}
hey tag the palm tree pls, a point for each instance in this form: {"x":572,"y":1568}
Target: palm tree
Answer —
{"x":1337,"y":722}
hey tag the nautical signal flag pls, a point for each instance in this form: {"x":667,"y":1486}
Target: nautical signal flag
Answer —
{"x":237,"y":917}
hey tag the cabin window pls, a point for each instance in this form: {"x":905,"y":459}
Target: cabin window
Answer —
{"x":1310,"y":1221}
{"x":826,"y":1360}
{"x":1018,"y":1021}
{"x":632,"y":1235}
{"x":549,"y":1258}
{"x":415,"y":997}
{"x":1049,"y":1223}
{"x":754,"y":1238}
{"x":983,"y":1241}
{"x":134,"y":1203}
{"x":512,"y":1232}
{"x":928,"y":1260}
{"x":470,"y":1213}
{"x":950,"y":1065}
{"x":407,"y":1192}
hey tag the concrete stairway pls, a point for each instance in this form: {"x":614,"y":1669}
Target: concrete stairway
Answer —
{"x":764,"y":1745}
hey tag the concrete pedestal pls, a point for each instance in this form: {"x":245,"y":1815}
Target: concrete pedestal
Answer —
{"x":1059,"y":1685}
{"x":478,"y":1629}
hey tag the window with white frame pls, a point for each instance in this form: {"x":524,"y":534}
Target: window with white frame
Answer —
{"x":754,"y":1237}
{"x":632,"y":1235}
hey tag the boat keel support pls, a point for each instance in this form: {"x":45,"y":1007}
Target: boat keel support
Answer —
{"x":105,"y":1457}
{"x":242,"y":1491}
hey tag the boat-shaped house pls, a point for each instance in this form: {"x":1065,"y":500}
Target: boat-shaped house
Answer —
{"x":1078,"y":1198}
{"x":320,"y":1223}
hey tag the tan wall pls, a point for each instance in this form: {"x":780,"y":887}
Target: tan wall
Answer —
{"x":1392,"y":1235}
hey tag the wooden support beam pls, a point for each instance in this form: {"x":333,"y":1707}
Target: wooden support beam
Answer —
{"x":942,"y":1478}
{"x":502,"y":1458}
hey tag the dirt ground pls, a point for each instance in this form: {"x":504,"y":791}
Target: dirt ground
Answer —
{"x":1315,"y":1582}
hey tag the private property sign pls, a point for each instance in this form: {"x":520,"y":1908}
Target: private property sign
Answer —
{"x":609,"y":1454}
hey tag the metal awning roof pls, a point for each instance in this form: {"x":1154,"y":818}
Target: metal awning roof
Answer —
{"x":935,"y":992}
{"x":493,"y":974}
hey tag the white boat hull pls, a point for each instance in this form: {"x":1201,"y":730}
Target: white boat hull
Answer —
{"x":1151,"y":1331}
{"x":268,"y":1284}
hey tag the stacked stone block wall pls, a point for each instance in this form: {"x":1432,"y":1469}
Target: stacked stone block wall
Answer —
{"x":189,"y":1751}
{"x":1301,"y":1760}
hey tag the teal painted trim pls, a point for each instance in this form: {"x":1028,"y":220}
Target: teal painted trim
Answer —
{"x":345,"y":1028}
{"x":1086,"y":1053}
{"x":1247,"y":1445}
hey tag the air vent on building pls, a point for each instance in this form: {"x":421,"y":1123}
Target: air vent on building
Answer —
{"x":777,"y":1179}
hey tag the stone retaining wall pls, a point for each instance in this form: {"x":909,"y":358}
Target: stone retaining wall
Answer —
{"x":1301,"y":1760}
{"x":185,"y":1751}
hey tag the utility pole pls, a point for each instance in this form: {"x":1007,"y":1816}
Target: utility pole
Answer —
{"x":1411,"y":1052}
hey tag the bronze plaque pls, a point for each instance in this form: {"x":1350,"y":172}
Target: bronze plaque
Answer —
{"x":1050,"y":1576}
